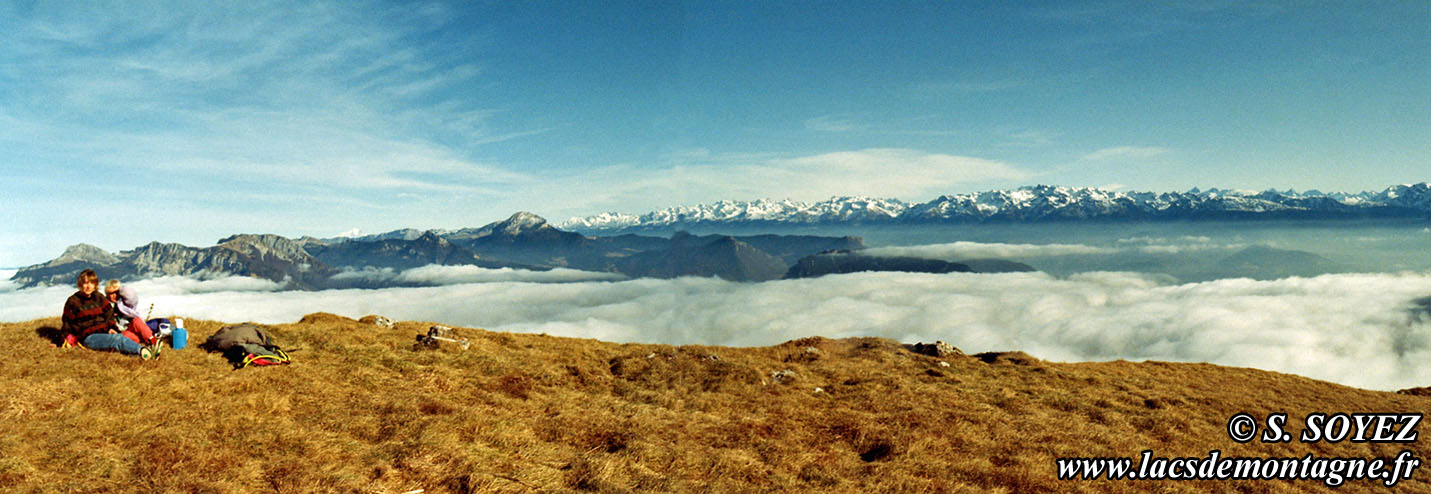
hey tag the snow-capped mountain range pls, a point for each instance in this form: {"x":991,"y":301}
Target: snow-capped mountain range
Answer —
{"x":1033,"y":203}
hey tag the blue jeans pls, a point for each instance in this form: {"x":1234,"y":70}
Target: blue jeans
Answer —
{"x":106,"y":341}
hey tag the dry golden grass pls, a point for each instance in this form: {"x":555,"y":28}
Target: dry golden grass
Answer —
{"x":362,"y":411}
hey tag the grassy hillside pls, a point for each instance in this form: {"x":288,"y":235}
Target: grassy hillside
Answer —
{"x":362,"y":411}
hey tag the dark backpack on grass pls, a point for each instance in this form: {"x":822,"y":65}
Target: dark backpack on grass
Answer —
{"x":246,"y":344}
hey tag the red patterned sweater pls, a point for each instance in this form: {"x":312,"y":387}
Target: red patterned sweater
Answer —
{"x":86,"y":315}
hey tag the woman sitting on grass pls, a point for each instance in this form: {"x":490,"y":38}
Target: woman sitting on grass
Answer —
{"x":126,"y":302}
{"x":88,"y":319}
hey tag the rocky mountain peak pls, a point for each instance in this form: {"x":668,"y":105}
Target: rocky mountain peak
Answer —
{"x":308,"y":240}
{"x":521,"y":222}
{"x":85,"y":253}
{"x":258,"y":245}
{"x":431,"y":238}
{"x":1416,"y":196}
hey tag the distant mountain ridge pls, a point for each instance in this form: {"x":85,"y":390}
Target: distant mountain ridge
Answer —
{"x":844,"y":261}
{"x":270,"y":257}
{"x":688,"y":255}
{"x":522,"y":241}
{"x":1030,"y":204}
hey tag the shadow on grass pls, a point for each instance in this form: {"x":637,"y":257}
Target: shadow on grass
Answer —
{"x":50,"y":333}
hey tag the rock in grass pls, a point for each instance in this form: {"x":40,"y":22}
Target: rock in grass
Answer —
{"x":1016,"y":358}
{"x":936,"y":349}
{"x":1422,"y":391}
{"x":783,"y":376}
{"x":377,"y":320}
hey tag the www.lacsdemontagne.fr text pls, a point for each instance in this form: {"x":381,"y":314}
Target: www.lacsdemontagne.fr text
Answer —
{"x":1383,"y":428}
{"x":1331,"y":471}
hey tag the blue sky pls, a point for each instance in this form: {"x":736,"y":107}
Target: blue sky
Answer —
{"x":186,"y":122}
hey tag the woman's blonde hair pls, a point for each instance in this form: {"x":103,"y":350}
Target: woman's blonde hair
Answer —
{"x":111,"y":286}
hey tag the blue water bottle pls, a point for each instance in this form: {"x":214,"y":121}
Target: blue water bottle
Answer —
{"x":179,"y":338}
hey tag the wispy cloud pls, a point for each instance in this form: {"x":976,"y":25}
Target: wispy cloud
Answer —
{"x":921,"y":125}
{"x":1138,"y":21}
{"x":262,"y":147}
{"x":832,"y":123}
{"x":1125,"y":153}
{"x":244,"y":93}
{"x":275,"y":117}
{"x":963,"y":88}
{"x":878,"y":172}
{"x":1027,"y":138}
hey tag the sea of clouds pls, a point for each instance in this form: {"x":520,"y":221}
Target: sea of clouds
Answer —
{"x":985,"y":250}
{"x":1354,"y":329}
